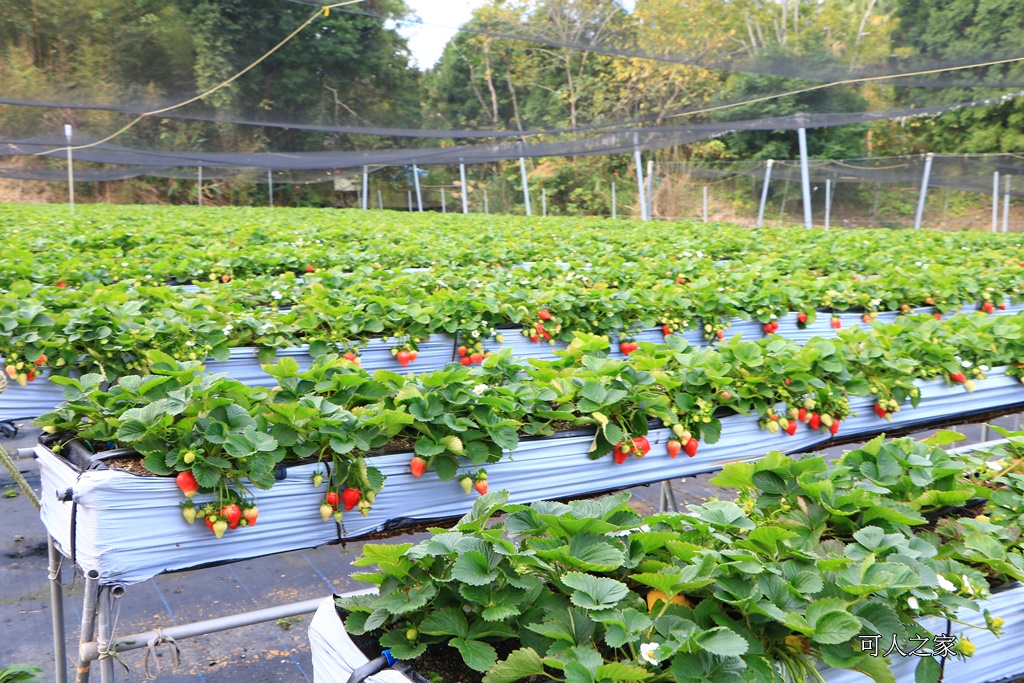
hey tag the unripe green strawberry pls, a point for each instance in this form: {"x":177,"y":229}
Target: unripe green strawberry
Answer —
{"x":969,"y":385}
{"x":466,"y":482}
{"x":412,"y":634}
{"x":318,"y":479}
{"x":826,"y":420}
{"x":679,"y":431}
{"x":337,"y":516}
{"x":219,"y":527}
{"x":809,"y":403}
{"x":189,"y":512}
{"x":772,"y":426}
{"x":189,"y":458}
{"x":326,"y":511}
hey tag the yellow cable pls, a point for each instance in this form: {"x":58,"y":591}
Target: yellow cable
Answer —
{"x":325,"y":10}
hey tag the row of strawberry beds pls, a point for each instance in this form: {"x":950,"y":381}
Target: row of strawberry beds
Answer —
{"x":817,"y":572}
{"x":183,"y":244}
{"x":107,"y":329}
{"x":579,"y":424}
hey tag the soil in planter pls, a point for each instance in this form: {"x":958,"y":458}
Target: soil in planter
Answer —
{"x":129,"y":465}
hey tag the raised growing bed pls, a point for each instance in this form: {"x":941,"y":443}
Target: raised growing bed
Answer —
{"x":93,"y":514}
{"x":335,"y":655}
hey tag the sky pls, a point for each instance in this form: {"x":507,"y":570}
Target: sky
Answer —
{"x":427,"y":42}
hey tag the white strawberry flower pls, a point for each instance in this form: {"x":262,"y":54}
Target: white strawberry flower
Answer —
{"x":476,"y":333}
{"x":967,"y":585}
{"x":647,"y":651}
{"x":228,"y":328}
{"x":479,"y":389}
{"x":276,"y":295}
{"x":912,"y":602}
{"x":967,"y":364}
{"x":983,"y":368}
{"x":946,"y":584}
{"x":190,"y":343}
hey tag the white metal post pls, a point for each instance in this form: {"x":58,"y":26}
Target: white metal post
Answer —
{"x":68,"y":133}
{"x":487,"y":206}
{"x":764,"y":191}
{"x":828,"y":202}
{"x":380,"y":199}
{"x":805,"y":177}
{"x":543,"y":202}
{"x":270,"y":185}
{"x":1006,"y":206}
{"x":924,"y":190}
{"x":200,"y":185}
{"x":614,"y":207}
{"x":526,"y":186}
{"x":705,"y":193}
{"x":650,"y":189}
{"x":419,"y":193}
{"x":409,"y":192}
{"x":366,"y":188}
{"x":995,"y":201}
{"x":444,"y":205}
{"x":465,"y":188}
{"x":640,"y":176}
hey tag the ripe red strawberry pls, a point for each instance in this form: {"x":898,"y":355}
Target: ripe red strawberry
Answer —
{"x":41,"y":360}
{"x":866,"y":318}
{"x":350,"y":497}
{"x":310,"y":269}
{"x":680,"y":280}
{"x":958,"y":377}
{"x":480,"y":486}
{"x":815,"y":422}
{"x":403,"y":357}
{"x":673,"y":448}
{"x":251,"y":514}
{"x":836,"y":323}
{"x":350,"y":356}
{"x":544,"y":314}
{"x":666,"y":330}
{"x":476,"y":358}
{"x":988,"y":307}
{"x":690,"y":447}
{"x":642,"y":446}
{"x":621,"y":452}
{"x":787,"y":381}
{"x":233,"y":514}
{"x":720,"y":335}
{"x":835,"y":426}
{"x":462,"y":350}
{"x":937,"y":316}
{"x":466,"y":360}
{"x":61,"y":285}
{"x":791,"y":427}
{"x":801,"y":317}
{"x":880,"y":411}
{"x":187,"y":483}
{"x":768,"y":329}
{"x":333,"y":499}
{"x":225,"y":278}
{"x":209,"y":522}
{"x":626,"y":348}
{"x":802,"y":414}
{"x":1002,"y":307}
{"x":417,"y":466}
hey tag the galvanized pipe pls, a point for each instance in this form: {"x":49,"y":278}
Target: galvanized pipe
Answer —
{"x":995,"y":201}
{"x":90,"y":651}
{"x":640,"y":177}
{"x":614,"y":207}
{"x":805,"y":177}
{"x":419,"y":193}
{"x":919,"y":215}
{"x":828,"y":203}
{"x":705,"y":193}
{"x":103,"y":639}
{"x":89,"y":599}
{"x":1006,"y":206}
{"x":764,"y":192}
{"x":465,"y":188}
{"x":526,"y":186}
{"x":57,"y":611}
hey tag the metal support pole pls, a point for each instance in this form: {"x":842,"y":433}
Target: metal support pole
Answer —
{"x":640,"y":176}
{"x":409,"y":192}
{"x":366,"y":188}
{"x":68,"y":133}
{"x":57,"y":611}
{"x":89,"y":600}
{"x":764,"y":192}
{"x":704,"y":191}
{"x":614,"y":207}
{"x":995,"y":201}
{"x":1006,"y":206}
{"x":380,"y":199}
{"x":199,"y":185}
{"x":465,"y":188}
{"x":919,"y":215}
{"x":270,"y":186}
{"x":828,"y":203}
{"x":444,"y":205}
{"x":487,"y":206}
{"x":805,"y":177}
{"x":543,"y":202}
{"x":103,"y":636}
{"x":419,"y":193}
{"x":526,"y":186}
{"x":650,"y":189}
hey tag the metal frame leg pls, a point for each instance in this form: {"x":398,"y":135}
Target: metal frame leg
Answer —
{"x":57,"y":612}
{"x":668,"y":498}
{"x":103,"y":637}
{"x":89,"y":604}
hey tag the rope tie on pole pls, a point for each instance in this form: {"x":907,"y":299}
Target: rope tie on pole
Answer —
{"x":5,"y":458}
{"x":151,"y":656}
